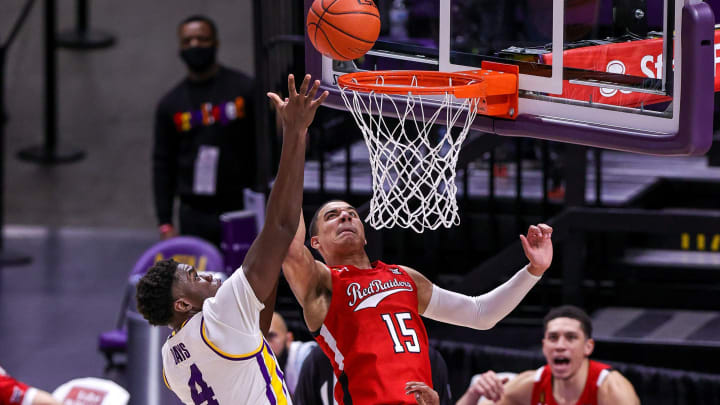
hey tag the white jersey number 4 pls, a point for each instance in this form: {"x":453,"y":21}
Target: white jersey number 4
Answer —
{"x":206,"y":395}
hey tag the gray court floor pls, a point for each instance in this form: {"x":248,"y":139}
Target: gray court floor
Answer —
{"x":52,"y":310}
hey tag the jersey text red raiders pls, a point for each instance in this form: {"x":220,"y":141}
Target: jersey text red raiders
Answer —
{"x":373,"y":335}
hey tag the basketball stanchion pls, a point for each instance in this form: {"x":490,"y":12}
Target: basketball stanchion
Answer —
{"x":413,"y":167}
{"x":8,"y":258}
{"x":50,"y":152}
{"x":82,"y":37}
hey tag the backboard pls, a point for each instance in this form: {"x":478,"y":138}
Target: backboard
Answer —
{"x":592,"y":72}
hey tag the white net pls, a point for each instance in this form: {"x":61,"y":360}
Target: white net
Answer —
{"x":412,"y":160}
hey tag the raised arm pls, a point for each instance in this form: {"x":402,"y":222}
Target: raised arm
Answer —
{"x":307,"y":277}
{"x":264,"y":259}
{"x":484,"y":311}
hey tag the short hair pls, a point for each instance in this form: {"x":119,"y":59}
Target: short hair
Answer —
{"x":201,"y":18}
{"x":572,"y":312}
{"x":154,"y":292}
{"x":313,"y":222}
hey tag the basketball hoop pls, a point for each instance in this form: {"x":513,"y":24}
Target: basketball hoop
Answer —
{"x":413,"y":167}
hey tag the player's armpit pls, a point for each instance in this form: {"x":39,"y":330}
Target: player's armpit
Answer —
{"x":617,"y":390}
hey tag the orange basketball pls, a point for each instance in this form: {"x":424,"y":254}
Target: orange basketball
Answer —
{"x":343,"y":29}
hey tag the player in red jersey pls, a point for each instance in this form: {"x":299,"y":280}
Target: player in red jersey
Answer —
{"x":14,"y":392}
{"x":568,"y":378}
{"x":366,"y":316}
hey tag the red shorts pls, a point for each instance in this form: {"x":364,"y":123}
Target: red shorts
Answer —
{"x":12,"y":391}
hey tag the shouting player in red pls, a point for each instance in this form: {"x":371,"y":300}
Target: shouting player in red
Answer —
{"x":365,"y":315}
{"x":568,"y":378}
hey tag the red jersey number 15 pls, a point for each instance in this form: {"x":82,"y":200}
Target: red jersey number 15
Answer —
{"x":411,"y":345}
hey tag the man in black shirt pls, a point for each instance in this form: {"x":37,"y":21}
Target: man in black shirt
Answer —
{"x":204,"y":150}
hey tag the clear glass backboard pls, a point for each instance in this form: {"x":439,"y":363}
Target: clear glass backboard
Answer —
{"x":635,"y":75}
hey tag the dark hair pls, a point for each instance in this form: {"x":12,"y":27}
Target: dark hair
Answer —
{"x":313,"y":222}
{"x":572,"y":312}
{"x":201,"y":18}
{"x":154,"y":292}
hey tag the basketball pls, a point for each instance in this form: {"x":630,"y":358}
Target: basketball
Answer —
{"x":343,"y":29}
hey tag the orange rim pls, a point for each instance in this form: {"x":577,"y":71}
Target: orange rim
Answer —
{"x":493,"y":88}
{"x":464,"y":84}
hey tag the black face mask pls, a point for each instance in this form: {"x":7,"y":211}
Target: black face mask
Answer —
{"x":199,"y":58}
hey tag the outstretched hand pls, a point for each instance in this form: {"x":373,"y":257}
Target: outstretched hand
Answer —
{"x":487,"y":385}
{"x":538,"y":248}
{"x":298,"y":109}
{"x":424,"y":395}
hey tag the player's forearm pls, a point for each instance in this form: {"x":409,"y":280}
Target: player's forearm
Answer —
{"x":285,"y":201}
{"x":484,"y":311}
{"x":264,"y":259}
{"x":44,"y":398}
{"x":470,"y":398}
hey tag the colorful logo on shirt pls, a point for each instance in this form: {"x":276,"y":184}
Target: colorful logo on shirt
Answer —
{"x":374,"y":293}
{"x":210,"y":114}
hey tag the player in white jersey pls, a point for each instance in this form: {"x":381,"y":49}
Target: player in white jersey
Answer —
{"x":216,"y":354}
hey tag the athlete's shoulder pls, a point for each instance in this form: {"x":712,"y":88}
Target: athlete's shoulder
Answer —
{"x":616,"y":389}
{"x":599,"y":365}
{"x":424,"y":285}
{"x":396,"y":269}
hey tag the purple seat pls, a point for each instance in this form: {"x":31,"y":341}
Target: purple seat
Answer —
{"x":239,"y":230}
{"x":196,"y":252}
{"x":113,"y":340}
